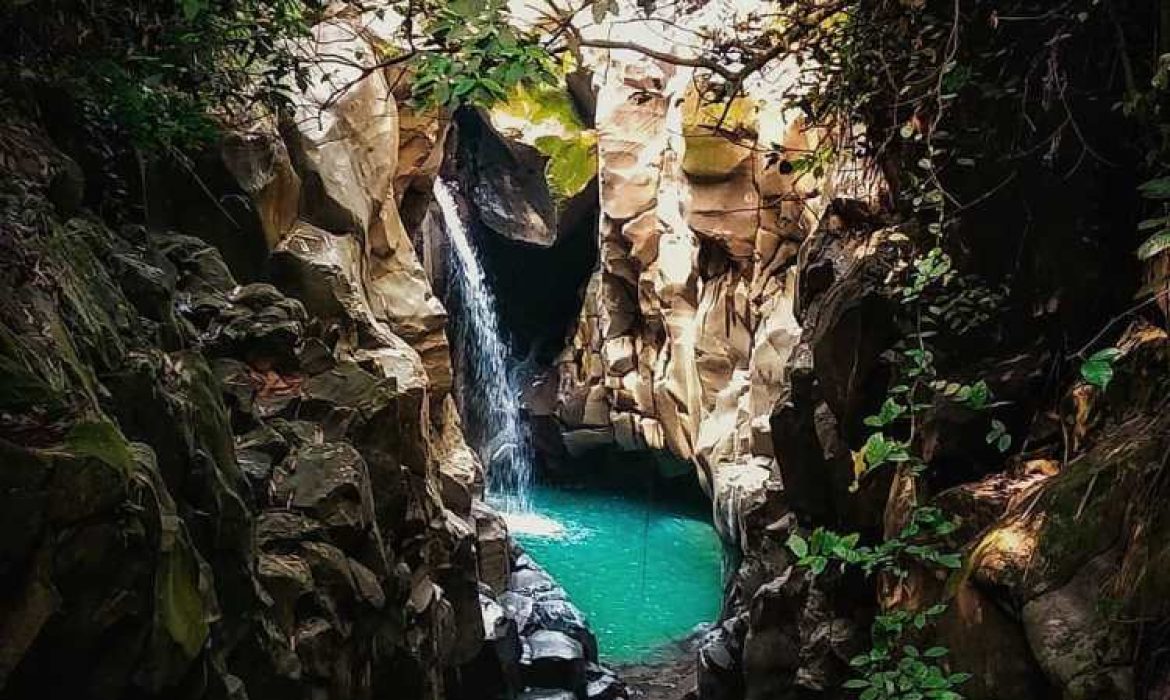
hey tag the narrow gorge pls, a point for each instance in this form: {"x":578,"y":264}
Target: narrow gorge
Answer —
{"x":488,"y":350}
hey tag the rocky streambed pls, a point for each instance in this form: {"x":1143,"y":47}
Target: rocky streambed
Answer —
{"x":537,"y":642}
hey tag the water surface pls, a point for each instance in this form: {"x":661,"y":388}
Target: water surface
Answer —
{"x":645,"y":573}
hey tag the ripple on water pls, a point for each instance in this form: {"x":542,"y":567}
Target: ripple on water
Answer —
{"x":644,"y":574}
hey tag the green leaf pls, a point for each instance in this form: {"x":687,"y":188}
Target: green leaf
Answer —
{"x":935,"y":652}
{"x":1154,"y":245}
{"x":798,"y":545}
{"x":192,"y":8}
{"x":951,"y":561}
{"x":1152,"y":224}
{"x":1158,"y":188}
{"x":889,"y":413}
{"x":1003,"y":443}
{"x":1098,"y":369}
{"x":854,"y":683}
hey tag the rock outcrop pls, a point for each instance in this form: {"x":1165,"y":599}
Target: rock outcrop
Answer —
{"x":738,"y":318}
{"x":689,"y":320}
{"x":220,"y":489}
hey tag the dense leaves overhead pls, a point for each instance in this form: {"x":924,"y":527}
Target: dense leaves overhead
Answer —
{"x":155,"y":70}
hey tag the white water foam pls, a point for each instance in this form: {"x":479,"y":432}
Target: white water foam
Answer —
{"x":533,"y":524}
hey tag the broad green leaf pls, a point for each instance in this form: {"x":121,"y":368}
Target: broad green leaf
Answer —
{"x":798,"y":545}
{"x":1098,"y":369}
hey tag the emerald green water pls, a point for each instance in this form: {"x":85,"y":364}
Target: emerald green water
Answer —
{"x":644,"y":573}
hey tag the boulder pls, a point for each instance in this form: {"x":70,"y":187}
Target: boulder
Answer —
{"x":491,"y":533}
{"x":553,"y":660}
{"x":719,"y":662}
{"x":990,"y":645}
{"x":547,"y":694}
{"x":1079,"y":649}
{"x":496,"y":669}
{"x":603,"y":684}
{"x":560,"y":615}
{"x":331,"y":482}
{"x":529,"y":170}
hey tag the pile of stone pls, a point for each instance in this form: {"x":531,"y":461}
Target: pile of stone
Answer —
{"x":538,"y":645}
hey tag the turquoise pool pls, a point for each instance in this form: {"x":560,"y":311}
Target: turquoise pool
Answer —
{"x":644,"y":573}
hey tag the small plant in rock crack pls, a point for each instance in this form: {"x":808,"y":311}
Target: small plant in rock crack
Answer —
{"x":916,"y":541}
{"x":1097,"y":369}
{"x":894,"y":670}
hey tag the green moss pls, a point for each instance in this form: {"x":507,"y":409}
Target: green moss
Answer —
{"x":101,"y":440}
{"x":712,"y":156}
{"x":543,"y":103}
{"x":180,"y":598}
{"x":718,"y":137}
{"x":27,"y":379}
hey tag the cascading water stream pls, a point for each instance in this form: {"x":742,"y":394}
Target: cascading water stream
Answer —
{"x":487,"y":388}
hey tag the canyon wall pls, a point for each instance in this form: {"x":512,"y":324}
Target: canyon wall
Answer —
{"x":219,"y":487}
{"x":740,"y":317}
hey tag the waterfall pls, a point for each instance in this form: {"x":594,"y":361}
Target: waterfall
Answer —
{"x":490,"y":397}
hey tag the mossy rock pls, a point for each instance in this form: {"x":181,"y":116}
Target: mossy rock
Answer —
{"x":719,"y":137}
{"x":91,"y":471}
{"x":542,"y":103}
{"x":545,"y":118}
{"x":1077,"y":515}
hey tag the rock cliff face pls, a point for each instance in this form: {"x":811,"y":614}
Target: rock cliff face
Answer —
{"x":233,"y":468}
{"x":738,"y":317}
{"x":688,"y":321}
{"x":225,"y":489}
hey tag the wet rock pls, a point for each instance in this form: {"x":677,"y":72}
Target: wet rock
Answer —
{"x":553,"y":660}
{"x":547,"y":694}
{"x":719,"y":661}
{"x":460,"y":471}
{"x":560,"y":615}
{"x":278,"y":529}
{"x":531,"y":581}
{"x":991,"y":645}
{"x":285,"y":578}
{"x":491,"y":534}
{"x":519,"y":607}
{"x":529,"y":165}
{"x":261,"y":326}
{"x":1080,"y":650}
{"x":496,"y":669}
{"x":603,"y":684}
{"x":329,"y":481}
